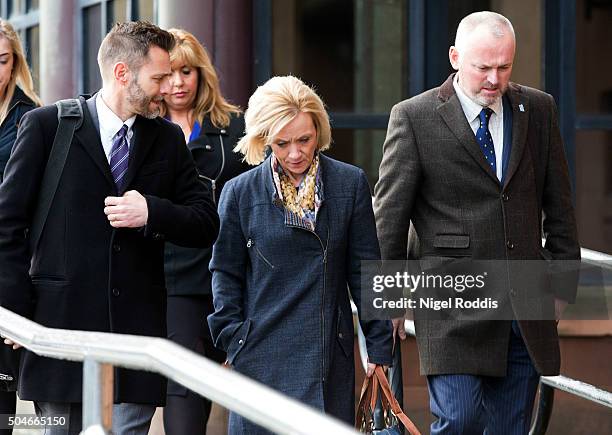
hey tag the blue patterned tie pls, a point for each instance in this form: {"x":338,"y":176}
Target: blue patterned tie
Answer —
{"x":119,"y":157}
{"x":483,"y":136}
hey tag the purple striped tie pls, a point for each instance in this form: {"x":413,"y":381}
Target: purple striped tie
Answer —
{"x":119,"y":157}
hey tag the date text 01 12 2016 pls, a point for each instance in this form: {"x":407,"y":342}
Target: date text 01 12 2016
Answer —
{"x":32,"y":421}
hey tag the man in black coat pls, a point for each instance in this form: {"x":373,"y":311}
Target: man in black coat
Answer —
{"x":129,"y":184}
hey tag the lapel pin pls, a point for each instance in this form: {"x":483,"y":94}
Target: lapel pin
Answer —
{"x":521,"y":108}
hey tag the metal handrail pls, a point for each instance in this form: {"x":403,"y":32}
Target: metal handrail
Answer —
{"x":579,"y":388}
{"x":547,"y":383}
{"x":596,"y":258}
{"x":232,"y":390}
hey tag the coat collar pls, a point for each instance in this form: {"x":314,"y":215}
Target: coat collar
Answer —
{"x":89,"y":137}
{"x":452,"y":113}
{"x":326,"y":173}
{"x":328,"y":183}
{"x":519,"y":102}
{"x":145,"y":136}
{"x":209,"y":128}
{"x":19,"y":97}
{"x":145,"y":132}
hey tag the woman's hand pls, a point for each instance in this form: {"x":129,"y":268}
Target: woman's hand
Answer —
{"x":15,"y":345}
{"x":372,"y":367}
{"x":370,"y":371}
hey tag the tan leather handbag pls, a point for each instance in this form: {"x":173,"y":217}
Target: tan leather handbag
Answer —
{"x":393,"y":414}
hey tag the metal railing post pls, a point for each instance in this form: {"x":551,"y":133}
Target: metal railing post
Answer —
{"x":544,"y":411}
{"x":97,"y":394}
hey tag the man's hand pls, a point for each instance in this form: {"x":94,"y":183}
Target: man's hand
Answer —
{"x":398,"y":328}
{"x":127,"y":211}
{"x":560,"y":305}
{"x":10,"y":342}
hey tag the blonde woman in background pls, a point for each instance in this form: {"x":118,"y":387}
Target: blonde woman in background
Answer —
{"x":212,"y":127}
{"x":17,"y":97}
{"x":17,"y":94}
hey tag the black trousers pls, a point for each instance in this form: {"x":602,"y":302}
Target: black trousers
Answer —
{"x":9,"y":365}
{"x":8,"y":403}
{"x":187,"y":412}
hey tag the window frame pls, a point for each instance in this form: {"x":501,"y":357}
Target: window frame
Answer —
{"x":130,"y":13}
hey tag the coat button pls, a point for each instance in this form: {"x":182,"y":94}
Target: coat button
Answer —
{"x":116,"y":247}
{"x":223,"y":131}
{"x":208,"y":147}
{"x":116,"y":292}
{"x":241,"y":342}
{"x":505,"y":197}
{"x":509,"y":244}
{"x":277,"y":202}
{"x":340,"y":335}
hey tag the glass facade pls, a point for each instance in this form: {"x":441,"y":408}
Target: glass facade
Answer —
{"x":92,"y":37}
{"x":593,"y":60}
{"x":363,"y":56}
{"x":354,"y":52}
{"x":24,"y":17}
{"x":32,"y":47}
{"x":594,"y":146}
{"x":92,"y":16}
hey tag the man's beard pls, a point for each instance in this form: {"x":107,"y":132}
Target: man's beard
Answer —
{"x":489,"y":101}
{"x":141,"y":102}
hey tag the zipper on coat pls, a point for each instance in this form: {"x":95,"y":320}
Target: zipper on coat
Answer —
{"x":213,"y":181}
{"x":251,"y":244}
{"x":324,"y":248}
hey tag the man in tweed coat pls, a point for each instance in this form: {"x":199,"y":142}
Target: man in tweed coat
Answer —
{"x":468,"y":200}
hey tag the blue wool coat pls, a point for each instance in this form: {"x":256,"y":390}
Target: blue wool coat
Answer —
{"x":282,"y":310}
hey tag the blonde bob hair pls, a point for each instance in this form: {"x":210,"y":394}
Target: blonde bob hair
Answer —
{"x":272,"y":106}
{"x":209,"y":101}
{"x":20,"y":75}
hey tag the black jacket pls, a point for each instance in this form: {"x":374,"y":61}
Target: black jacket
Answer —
{"x":85,"y":274}
{"x":19,"y":105}
{"x":187,"y":268}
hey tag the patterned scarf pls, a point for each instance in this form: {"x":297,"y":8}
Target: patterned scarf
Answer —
{"x":301,"y":203}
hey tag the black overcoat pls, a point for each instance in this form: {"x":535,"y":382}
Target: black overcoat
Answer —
{"x":213,"y":151}
{"x":84,"y":274}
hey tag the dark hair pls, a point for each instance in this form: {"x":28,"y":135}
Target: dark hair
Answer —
{"x":130,"y":42}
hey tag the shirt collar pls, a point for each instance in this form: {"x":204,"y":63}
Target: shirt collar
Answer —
{"x":110,"y":123}
{"x":470,"y":107}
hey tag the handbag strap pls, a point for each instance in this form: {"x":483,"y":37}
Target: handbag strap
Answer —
{"x":391,"y":402}
{"x":374,"y":397}
{"x":362,"y":419}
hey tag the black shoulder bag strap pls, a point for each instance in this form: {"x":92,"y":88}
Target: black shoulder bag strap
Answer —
{"x":70,"y":117}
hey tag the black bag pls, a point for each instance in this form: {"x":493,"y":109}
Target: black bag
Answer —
{"x":394,"y":417}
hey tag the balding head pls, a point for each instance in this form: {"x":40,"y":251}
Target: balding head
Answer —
{"x":498,"y":26}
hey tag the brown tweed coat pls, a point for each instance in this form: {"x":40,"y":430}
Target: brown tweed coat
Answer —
{"x":434,"y":174}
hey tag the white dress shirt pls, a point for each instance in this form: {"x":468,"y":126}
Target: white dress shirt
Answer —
{"x":110,"y":124}
{"x":472,"y":110}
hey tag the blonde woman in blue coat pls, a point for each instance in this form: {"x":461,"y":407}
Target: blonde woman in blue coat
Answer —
{"x":293,"y":234}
